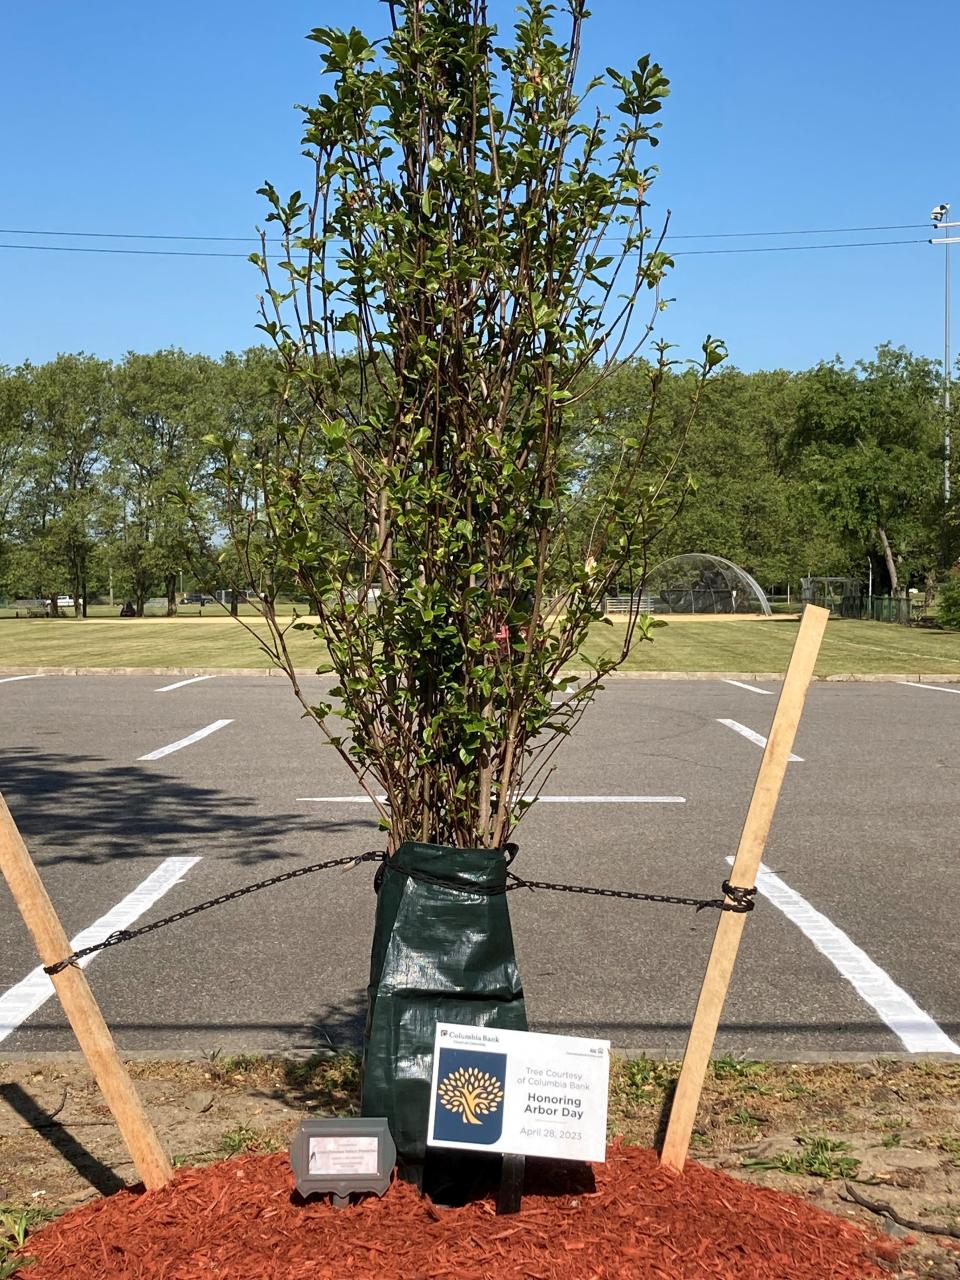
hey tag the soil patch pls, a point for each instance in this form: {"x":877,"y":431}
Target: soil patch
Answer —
{"x":243,"y":1218}
{"x":855,"y":1139}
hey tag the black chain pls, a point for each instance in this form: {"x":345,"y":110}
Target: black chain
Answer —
{"x":125,"y":935}
{"x":737,"y":898}
{"x":740,"y":898}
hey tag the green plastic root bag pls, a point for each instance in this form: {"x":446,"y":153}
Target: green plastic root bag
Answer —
{"x":442,"y":952}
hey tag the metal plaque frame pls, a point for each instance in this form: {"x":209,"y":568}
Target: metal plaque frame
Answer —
{"x":342,"y":1185}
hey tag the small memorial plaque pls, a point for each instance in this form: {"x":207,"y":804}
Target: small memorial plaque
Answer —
{"x":519,"y":1093}
{"x":342,"y":1157}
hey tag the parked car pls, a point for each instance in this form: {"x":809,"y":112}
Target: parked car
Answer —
{"x":225,"y":595}
{"x":197,"y":597}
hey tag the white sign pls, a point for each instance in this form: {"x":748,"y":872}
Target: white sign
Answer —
{"x":343,"y":1155}
{"x":519,"y":1093}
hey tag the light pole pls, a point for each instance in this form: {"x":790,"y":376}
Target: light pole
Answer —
{"x":940,"y":223}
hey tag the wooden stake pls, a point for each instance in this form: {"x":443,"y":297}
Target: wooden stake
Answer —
{"x":81,"y":1008}
{"x":753,"y":839}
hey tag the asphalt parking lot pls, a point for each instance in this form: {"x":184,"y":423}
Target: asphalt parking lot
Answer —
{"x":136,"y":803}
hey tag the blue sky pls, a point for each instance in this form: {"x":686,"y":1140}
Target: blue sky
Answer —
{"x":166,"y":118}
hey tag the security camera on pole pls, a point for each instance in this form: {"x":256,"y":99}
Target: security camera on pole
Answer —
{"x":939,"y":215}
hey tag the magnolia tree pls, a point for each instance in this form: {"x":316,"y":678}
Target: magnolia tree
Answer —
{"x":471,"y":260}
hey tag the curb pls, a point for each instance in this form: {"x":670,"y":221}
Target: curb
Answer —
{"x":894,"y":677}
{"x":286,"y":1054}
{"x":767,"y":676}
{"x":148,"y":671}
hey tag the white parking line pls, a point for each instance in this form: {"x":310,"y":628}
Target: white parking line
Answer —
{"x":750,"y":688}
{"x":609,"y":799}
{"x":541,"y":800}
{"x":24,"y":999}
{"x":10,"y":679}
{"x":339,"y":799}
{"x":185,"y":742}
{"x":916,"y":1030}
{"x":180,"y":683}
{"x":938,"y":688}
{"x":752,"y":736}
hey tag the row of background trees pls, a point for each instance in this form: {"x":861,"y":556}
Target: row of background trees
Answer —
{"x":112,"y":474}
{"x":96,"y":458}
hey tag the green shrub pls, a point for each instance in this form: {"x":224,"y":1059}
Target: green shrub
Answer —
{"x":949,"y":611}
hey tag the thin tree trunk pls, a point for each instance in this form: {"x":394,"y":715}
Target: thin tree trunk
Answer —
{"x":929,"y":590}
{"x":171,"y":595}
{"x":83,"y":598}
{"x":76,"y":583}
{"x":234,"y":603}
{"x":889,"y":561}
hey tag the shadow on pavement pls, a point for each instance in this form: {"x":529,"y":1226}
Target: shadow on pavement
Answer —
{"x":70,"y":809}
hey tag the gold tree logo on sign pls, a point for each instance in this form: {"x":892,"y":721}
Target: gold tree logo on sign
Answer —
{"x":472,"y":1093}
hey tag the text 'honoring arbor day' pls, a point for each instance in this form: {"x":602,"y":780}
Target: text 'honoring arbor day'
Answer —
{"x":519,"y":1092}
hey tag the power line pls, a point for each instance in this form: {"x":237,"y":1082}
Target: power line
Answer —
{"x":795,"y":248}
{"x":816,"y":231}
{"x":206,"y":253}
{"x":127,"y":235}
{"x":162,"y":253}
{"x":254,"y":239}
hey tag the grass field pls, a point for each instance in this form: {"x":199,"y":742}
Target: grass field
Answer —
{"x":858,"y":648}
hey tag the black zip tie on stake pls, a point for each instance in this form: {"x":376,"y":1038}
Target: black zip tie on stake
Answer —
{"x":737,"y":898}
{"x":742,"y":898}
{"x":125,"y":935}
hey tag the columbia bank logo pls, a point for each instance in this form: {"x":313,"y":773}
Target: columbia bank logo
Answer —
{"x":470,"y":1093}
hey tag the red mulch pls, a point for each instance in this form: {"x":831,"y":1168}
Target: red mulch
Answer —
{"x":240,"y":1220}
